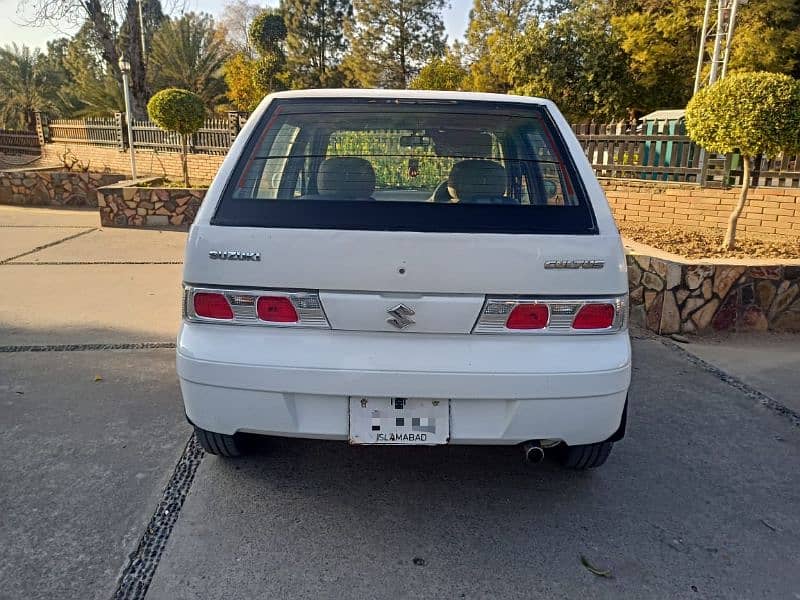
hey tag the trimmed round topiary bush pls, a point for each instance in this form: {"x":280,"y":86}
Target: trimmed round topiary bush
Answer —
{"x":180,"y":111}
{"x":267,"y":30}
{"x":752,"y":113}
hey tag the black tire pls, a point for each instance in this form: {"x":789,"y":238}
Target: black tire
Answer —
{"x":588,"y":456}
{"x":218,"y":443}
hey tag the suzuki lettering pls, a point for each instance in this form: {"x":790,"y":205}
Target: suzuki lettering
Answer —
{"x":234,"y":255}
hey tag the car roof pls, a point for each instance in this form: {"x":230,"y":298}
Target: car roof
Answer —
{"x":409,"y":94}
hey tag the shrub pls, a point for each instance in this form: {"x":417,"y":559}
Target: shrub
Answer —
{"x":754,"y":113}
{"x":180,"y":111}
{"x":266,"y":31}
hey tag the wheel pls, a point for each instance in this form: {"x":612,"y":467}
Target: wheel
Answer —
{"x":588,"y":456}
{"x":218,"y":443}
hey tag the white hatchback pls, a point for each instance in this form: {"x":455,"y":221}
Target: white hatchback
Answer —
{"x":407,"y":267}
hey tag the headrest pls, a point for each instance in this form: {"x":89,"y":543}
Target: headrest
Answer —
{"x":472,"y":179}
{"x":346,"y":177}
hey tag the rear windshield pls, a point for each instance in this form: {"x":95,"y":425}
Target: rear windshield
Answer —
{"x":406,"y":165}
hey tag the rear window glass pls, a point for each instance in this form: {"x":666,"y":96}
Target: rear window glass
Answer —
{"x":405,"y":165}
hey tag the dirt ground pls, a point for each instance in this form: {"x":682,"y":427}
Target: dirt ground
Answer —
{"x":705,"y":243}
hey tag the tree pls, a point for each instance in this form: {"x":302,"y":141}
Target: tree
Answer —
{"x":393,"y":39}
{"x":754,"y":113}
{"x":767,"y":37}
{"x":441,"y":74}
{"x":92,"y":84}
{"x":179,"y":111}
{"x":573,"y":59}
{"x":189,"y":53}
{"x":660,"y":39}
{"x":493,"y":24}
{"x":236,"y":17}
{"x":267,"y":34}
{"x":99,"y":17}
{"x":315,"y":41}
{"x":26,"y":85}
{"x":240,"y":75}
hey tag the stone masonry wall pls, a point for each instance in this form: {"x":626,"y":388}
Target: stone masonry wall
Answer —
{"x":202,"y":167}
{"x":773,"y":211}
{"x":669,"y":297}
{"x":127,"y":206}
{"x":36,"y":187}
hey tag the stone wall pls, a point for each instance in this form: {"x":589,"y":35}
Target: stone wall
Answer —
{"x":49,"y":187}
{"x":202,"y":167}
{"x":670,"y":297}
{"x":124,"y":205}
{"x":774,"y":211}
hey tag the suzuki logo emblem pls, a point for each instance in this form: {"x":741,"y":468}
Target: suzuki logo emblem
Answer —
{"x":400,"y":316}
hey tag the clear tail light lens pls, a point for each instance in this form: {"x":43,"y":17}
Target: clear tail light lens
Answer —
{"x":548,"y":316}
{"x":594,"y":316}
{"x":276,"y":309}
{"x":528,"y":316}
{"x":212,"y":306}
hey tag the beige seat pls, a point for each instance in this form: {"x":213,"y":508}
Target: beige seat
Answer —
{"x":346,"y":178}
{"x":477,"y":181}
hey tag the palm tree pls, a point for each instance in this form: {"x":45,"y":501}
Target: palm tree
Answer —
{"x":26,"y":86}
{"x":189,"y":53}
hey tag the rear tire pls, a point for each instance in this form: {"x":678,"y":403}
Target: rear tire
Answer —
{"x":218,"y":443}
{"x":587,"y":456}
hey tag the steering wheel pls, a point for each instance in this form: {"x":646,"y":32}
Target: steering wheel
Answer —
{"x":441,"y":194}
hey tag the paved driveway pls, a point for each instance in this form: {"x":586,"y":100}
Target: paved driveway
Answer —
{"x":699,"y":501}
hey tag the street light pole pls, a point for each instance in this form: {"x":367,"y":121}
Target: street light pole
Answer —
{"x":141,"y":31}
{"x":125,"y":68}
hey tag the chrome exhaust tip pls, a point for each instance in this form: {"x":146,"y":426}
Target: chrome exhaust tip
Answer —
{"x":533,"y":452}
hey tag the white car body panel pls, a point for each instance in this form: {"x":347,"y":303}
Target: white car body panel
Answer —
{"x":503,"y":389}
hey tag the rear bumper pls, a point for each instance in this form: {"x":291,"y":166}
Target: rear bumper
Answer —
{"x":503,"y":389}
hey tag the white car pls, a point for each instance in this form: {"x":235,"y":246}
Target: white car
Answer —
{"x":407,"y":267}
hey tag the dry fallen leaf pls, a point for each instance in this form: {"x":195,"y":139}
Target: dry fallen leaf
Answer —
{"x":98,"y":378}
{"x":697,"y":243}
{"x":594,"y":570}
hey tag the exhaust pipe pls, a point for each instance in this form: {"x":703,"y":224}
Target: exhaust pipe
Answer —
{"x":533,"y":452}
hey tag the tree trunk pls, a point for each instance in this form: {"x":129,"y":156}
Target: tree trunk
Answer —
{"x":729,"y":242}
{"x":135,"y":55}
{"x":184,"y":161}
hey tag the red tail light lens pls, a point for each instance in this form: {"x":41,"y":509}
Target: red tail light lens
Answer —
{"x":594,"y":316}
{"x":213,"y":306}
{"x":528,"y":316}
{"x":276,"y":309}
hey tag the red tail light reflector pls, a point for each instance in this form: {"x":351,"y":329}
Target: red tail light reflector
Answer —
{"x":594,"y":316}
{"x":528,"y":316}
{"x":212,"y":306}
{"x":276,"y":309}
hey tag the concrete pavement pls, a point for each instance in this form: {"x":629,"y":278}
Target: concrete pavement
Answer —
{"x":769,"y":362}
{"x":699,"y":501}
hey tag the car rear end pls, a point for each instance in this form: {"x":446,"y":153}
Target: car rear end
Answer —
{"x":405,"y":268}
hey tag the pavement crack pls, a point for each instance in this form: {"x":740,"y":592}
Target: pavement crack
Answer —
{"x":135,"y":578}
{"x":48,"y":245}
{"x":85,"y":347}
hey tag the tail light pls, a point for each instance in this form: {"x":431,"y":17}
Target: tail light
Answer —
{"x":254,"y":307}
{"x":548,"y":316}
{"x":529,"y":316}
{"x":212,"y":306}
{"x":276,"y":309}
{"x":594,"y":316}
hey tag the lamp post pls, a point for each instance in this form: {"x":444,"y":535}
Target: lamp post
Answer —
{"x":125,"y":68}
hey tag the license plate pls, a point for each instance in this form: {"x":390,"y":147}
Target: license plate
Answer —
{"x":399,"y":421}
